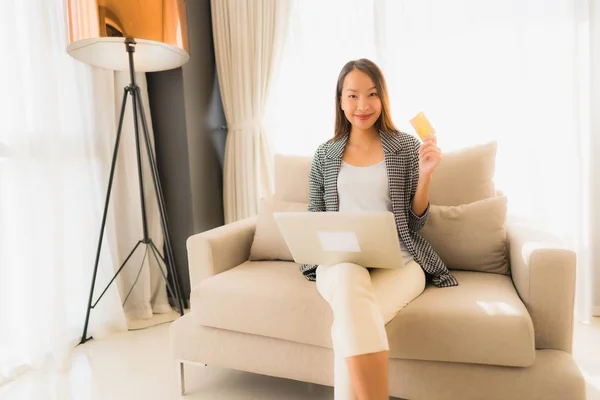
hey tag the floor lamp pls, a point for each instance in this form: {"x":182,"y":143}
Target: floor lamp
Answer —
{"x":122,"y":35}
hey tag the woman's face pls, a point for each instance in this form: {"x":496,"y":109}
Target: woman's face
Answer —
{"x":360,"y":100}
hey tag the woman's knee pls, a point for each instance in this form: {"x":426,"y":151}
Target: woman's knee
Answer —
{"x":350,"y":272}
{"x":348,"y":275}
{"x":341,"y":280}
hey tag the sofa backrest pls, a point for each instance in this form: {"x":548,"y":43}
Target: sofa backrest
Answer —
{"x":291,"y":178}
{"x":463,"y":176}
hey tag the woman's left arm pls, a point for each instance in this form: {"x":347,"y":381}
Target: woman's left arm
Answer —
{"x":420,"y":202}
{"x":428,"y":157}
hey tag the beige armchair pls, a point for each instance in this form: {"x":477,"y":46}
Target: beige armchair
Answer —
{"x":495,"y":336}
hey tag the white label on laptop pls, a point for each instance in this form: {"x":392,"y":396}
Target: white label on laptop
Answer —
{"x":339,"y":241}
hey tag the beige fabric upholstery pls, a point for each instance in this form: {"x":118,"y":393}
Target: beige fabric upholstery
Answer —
{"x":544,"y":275}
{"x":554,"y":376}
{"x":470,"y":237}
{"x":269,"y":298}
{"x":219,"y":249}
{"x":291,"y":178}
{"x":482,"y":319}
{"x":252,"y":353}
{"x":464,"y":176}
{"x":268,"y":244}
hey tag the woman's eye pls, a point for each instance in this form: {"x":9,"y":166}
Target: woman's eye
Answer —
{"x":352,"y":96}
{"x":373,"y":94}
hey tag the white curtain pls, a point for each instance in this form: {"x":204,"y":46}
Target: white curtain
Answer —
{"x":518,"y":72}
{"x":58,"y":117}
{"x":248,"y":35}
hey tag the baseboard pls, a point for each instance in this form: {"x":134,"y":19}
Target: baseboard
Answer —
{"x":596,"y":312}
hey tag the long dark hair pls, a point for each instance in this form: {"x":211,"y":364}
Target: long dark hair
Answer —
{"x":384,"y":122}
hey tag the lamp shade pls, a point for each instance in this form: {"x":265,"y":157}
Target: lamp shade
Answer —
{"x":98,"y":28}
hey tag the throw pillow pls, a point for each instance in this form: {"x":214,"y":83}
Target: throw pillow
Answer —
{"x":464,"y":176}
{"x":471,"y":236}
{"x":268,"y":244}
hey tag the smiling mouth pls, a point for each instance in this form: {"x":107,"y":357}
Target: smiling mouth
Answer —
{"x":363,"y":116}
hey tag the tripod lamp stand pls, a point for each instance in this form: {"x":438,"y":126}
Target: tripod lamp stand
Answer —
{"x":122,"y":35}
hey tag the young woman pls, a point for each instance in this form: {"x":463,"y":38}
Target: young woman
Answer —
{"x":370,"y":166}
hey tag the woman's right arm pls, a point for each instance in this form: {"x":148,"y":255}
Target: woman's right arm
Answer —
{"x":316,"y":202}
{"x":316,"y":188}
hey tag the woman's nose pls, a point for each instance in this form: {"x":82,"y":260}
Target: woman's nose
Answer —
{"x":363,"y":104}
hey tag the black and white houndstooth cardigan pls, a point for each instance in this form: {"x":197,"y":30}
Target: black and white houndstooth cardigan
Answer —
{"x":402,"y":161}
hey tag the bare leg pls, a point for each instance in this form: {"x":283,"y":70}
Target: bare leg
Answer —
{"x":369,"y":375}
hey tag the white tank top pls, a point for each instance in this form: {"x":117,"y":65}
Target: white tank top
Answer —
{"x":366,"y":189}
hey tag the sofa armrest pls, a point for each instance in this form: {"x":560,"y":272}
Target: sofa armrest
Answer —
{"x":219,"y":249}
{"x":543,"y":272}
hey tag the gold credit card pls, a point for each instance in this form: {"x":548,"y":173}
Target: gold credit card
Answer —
{"x":422,"y":126}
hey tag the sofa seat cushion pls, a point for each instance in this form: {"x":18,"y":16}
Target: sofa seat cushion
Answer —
{"x":480,"y":321}
{"x":268,"y":298}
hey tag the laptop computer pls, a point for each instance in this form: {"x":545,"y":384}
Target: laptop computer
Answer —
{"x":368,"y":238}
